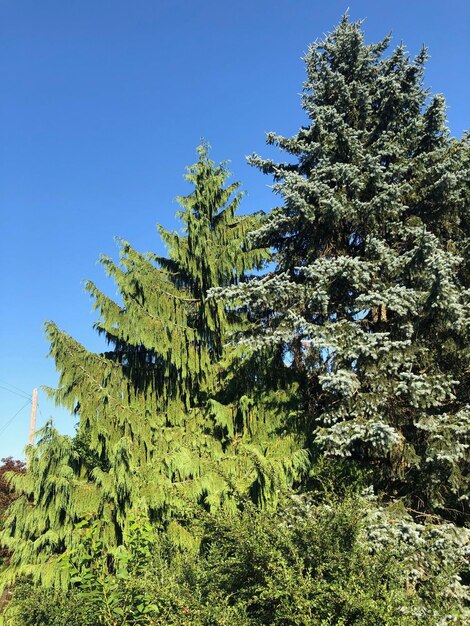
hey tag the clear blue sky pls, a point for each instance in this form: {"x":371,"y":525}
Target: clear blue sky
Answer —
{"x":102,"y":106}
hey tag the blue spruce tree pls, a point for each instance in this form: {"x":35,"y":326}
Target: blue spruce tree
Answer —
{"x":370,"y":298}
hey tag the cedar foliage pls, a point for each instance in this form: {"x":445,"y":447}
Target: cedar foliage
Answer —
{"x":163,"y":424}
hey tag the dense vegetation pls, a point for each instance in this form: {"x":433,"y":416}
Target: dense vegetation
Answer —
{"x":274,"y":446}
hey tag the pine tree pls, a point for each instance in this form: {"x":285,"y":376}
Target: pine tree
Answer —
{"x":165,"y":422}
{"x":370,"y":299}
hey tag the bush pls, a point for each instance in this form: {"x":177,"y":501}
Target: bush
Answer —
{"x":343,"y":562}
{"x":316,"y":566}
{"x":37,"y":606}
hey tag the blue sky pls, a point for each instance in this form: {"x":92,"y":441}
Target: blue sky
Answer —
{"x":103,"y":104}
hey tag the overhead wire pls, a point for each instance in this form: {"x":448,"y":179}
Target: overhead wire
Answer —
{"x":5,"y":382}
{"x":21,"y":395}
{"x":5,"y":426}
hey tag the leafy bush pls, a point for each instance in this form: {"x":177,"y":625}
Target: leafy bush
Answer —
{"x":37,"y":606}
{"x":341,"y":563}
{"x":319,"y":565}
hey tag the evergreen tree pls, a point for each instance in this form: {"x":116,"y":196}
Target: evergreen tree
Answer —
{"x":163,"y":425}
{"x":370,"y":299}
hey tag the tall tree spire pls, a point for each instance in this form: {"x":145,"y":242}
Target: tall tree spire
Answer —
{"x":163,"y":424}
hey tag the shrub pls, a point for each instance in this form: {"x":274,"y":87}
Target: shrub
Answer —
{"x":337,"y":562}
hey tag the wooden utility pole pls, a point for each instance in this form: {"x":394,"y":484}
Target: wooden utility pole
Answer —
{"x":32,"y":421}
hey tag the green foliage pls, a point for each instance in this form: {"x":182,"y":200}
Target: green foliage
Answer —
{"x":117,"y":585}
{"x":316,"y":564}
{"x":171,"y":416}
{"x":346,"y":562}
{"x":38,"y":606}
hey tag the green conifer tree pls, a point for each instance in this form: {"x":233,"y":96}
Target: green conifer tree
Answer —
{"x":371,"y":294}
{"x":164,"y":421}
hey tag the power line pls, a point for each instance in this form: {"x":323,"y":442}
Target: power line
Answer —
{"x":5,"y":426}
{"x":5,"y":382}
{"x":21,"y":395}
